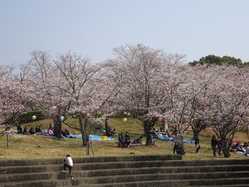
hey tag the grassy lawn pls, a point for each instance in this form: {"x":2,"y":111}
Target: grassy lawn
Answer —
{"x":34,"y":147}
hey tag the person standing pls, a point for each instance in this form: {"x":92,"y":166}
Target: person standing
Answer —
{"x":197,"y":142}
{"x":214,"y":143}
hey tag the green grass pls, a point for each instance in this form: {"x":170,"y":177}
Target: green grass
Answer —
{"x":36,"y":147}
{"x":133,"y":126}
{"x":44,"y":124}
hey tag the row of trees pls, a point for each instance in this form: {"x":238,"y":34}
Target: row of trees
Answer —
{"x":144,"y":81}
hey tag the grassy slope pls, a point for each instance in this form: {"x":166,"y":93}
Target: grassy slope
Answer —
{"x":32,"y":147}
{"x":133,"y":126}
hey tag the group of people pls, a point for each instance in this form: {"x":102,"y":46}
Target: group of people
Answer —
{"x":124,"y":140}
{"x":161,"y":131}
{"x":110,"y":132}
{"x":37,"y":130}
{"x":240,"y":148}
{"x":218,"y":145}
{"x":27,"y":131}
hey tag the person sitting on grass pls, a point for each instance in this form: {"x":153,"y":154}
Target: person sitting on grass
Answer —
{"x":38,"y":129}
{"x":25,"y":130}
{"x":138,"y":140}
{"x":68,"y":163}
{"x":124,"y":140}
{"x":31,"y":131}
{"x":65,"y":133}
{"x":19,"y":129}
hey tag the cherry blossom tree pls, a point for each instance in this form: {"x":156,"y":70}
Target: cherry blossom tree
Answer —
{"x":44,"y":87}
{"x":70,"y":84}
{"x":12,"y":97}
{"x":211,"y":96}
{"x":144,"y":70}
{"x":228,"y":104}
{"x":144,"y":81}
{"x":88,"y":87}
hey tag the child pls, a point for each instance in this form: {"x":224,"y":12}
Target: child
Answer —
{"x":68,"y":163}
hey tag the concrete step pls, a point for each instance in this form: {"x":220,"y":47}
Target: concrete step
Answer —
{"x":25,"y":177}
{"x":160,"y":176}
{"x":138,"y":164}
{"x":125,"y":171}
{"x":40,"y":183}
{"x":147,"y":170}
{"x":228,"y":185}
{"x":88,"y":160}
{"x":121,"y":171}
{"x":25,"y":169}
{"x":123,"y":164}
{"x":212,"y":182}
{"x":69,"y":182}
{"x":173,"y":160}
{"x":97,"y":167}
{"x":220,"y":181}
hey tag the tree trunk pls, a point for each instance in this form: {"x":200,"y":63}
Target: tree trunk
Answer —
{"x":147,"y":131}
{"x":83,"y":124}
{"x":57,"y":126}
{"x":226,"y":148}
{"x":7,"y":140}
{"x":107,"y":130}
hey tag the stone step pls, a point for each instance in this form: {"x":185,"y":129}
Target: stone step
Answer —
{"x":147,"y":170}
{"x":25,"y":169}
{"x":125,"y":171}
{"x":121,"y":171}
{"x":125,"y":164}
{"x":40,"y":183}
{"x":160,"y":176}
{"x":119,"y":164}
{"x":88,"y":160}
{"x":43,"y":183}
{"x":228,"y":185}
{"x":138,"y":164}
{"x":171,"y":159}
{"x":25,"y":177}
{"x":212,"y":182}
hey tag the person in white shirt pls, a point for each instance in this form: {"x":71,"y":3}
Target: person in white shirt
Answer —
{"x":68,"y":163}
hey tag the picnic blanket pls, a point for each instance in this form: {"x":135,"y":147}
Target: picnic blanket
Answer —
{"x":165,"y":137}
{"x":92,"y":137}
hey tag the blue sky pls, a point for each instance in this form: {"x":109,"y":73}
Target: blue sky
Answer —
{"x":93,"y":28}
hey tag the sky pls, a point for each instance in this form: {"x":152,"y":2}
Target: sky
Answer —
{"x":92,"y":28}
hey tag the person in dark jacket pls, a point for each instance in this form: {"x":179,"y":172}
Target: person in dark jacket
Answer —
{"x":214,"y":143}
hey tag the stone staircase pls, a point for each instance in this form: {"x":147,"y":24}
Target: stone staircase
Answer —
{"x":133,"y":171}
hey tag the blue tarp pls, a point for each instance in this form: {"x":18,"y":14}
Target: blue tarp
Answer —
{"x":171,"y":138}
{"x":92,"y":137}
